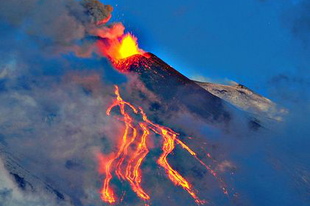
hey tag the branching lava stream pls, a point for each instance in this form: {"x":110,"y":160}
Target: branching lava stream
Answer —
{"x":127,"y":165}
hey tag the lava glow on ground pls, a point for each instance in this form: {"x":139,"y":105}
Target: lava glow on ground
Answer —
{"x":127,"y":161}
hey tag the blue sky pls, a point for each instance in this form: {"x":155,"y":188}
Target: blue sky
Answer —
{"x":246,"y":41}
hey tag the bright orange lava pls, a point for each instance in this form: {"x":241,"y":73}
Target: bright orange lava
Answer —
{"x":118,"y":49}
{"x":129,"y":46}
{"x":127,"y":164}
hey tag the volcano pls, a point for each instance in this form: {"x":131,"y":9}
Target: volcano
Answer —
{"x":173,"y":88}
{"x":146,"y":137}
{"x":132,"y":156}
{"x":176,"y":92}
{"x":90,"y":119}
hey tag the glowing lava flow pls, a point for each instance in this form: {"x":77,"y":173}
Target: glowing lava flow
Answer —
{"x":134,"y":159}
{"x":170,"y":138}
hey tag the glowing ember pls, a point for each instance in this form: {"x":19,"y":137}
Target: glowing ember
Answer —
{"x":118,"y":49}
{"x":126,"y":164}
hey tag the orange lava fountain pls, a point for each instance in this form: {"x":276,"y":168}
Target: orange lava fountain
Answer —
{"x":130,"y":169}
{"x":129,"y":46}
{"x":122,"y":48}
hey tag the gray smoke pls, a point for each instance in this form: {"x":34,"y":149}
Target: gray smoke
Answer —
{"x":97,"y":11}
{"x":61,"y":25}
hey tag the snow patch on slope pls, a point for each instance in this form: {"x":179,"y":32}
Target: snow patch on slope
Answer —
{"x":245,"y":99}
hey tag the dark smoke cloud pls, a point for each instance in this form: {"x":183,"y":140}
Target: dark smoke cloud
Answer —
{"x":99,"y":13}
{"x":61,"y":25}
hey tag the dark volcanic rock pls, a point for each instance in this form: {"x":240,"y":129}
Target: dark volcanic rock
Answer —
{"x":173,"y":88}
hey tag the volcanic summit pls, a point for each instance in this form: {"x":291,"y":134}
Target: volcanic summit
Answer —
{"x":172,"y":87}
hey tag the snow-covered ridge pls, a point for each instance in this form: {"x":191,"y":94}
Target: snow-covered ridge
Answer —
{"x":245,"y":99}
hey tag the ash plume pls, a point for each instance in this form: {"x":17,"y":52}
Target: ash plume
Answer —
{"x":98,"y":12}
{"x":61,"y":25}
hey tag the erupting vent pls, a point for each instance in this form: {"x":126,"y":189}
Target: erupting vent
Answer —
{"x":118,"y":49}
{"x":126,"y":163}
{"x":129,"y":46}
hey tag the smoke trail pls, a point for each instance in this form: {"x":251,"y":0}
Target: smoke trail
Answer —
{"x":61,"y":25}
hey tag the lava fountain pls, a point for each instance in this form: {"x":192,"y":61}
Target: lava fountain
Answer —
{"x":129,"y":46}
{"x":120,"y":48}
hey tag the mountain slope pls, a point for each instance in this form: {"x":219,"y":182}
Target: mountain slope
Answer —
{"x":174,"y":89}
{"x":245,"y":99}
{"x":175,"y":93}
{"x":24,"y":179}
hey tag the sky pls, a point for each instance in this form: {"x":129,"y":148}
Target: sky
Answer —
{"x":249,"y":42}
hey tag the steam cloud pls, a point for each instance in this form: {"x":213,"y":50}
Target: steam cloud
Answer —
{"x":43,"y":85}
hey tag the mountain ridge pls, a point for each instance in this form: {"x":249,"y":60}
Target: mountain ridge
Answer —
{"x":246,"y":100}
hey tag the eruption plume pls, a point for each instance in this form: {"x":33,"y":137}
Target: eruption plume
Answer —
{"x":99,"y":13}
{"x":126,"y":164}
{"x":120,"y":48}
